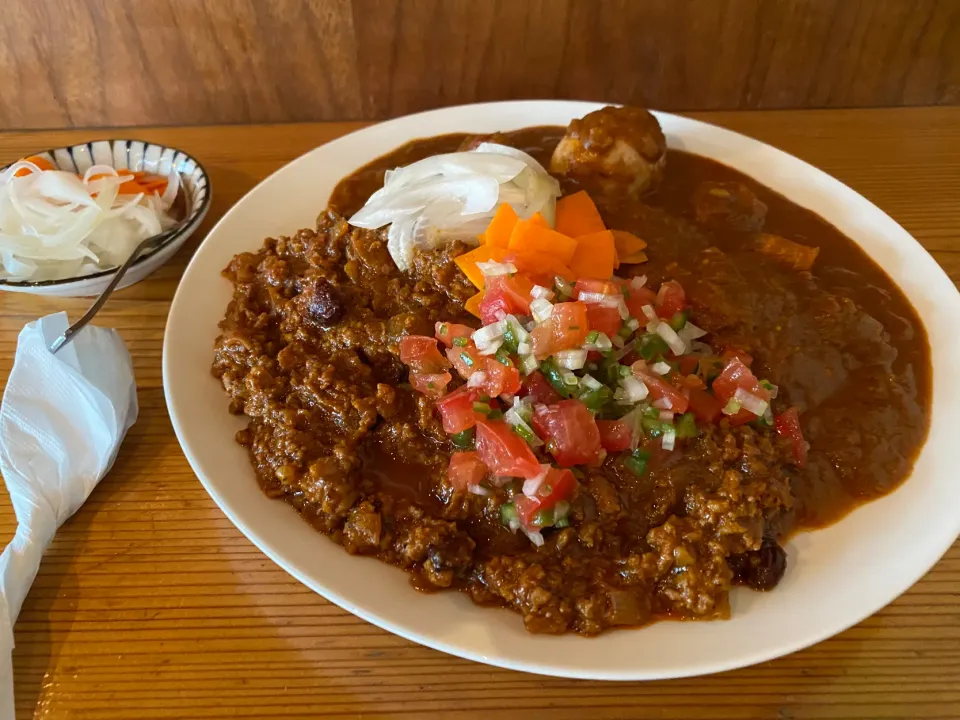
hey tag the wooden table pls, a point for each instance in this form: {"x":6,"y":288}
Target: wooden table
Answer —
{"x":151,"y":604}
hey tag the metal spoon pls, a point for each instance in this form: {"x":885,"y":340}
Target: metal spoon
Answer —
{"x":147,"y":244}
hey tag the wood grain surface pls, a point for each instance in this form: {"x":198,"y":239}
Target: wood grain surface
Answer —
{"x":101,"y":63}
{"x":150,"y":604}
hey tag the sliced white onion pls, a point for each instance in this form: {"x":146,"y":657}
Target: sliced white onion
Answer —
{"x":541,"y":309}
{"x":532,"y":485}
{"x":633,"y":324}
{"x":700,"y":348}
{"x":476,"y":379}
{"x":666,"y":416}
{"x":454,"y":196}
{"x":477,"y":490}
{"x":669,"y":438}
{"x":634,"y":421}
{"x":489,"y":334}
{"x":638,"y":282}
{"x":663,"y":403}
{"x":690,"y":332}
{"x":569,"y":378}
{"x":661,"y":368}
{"x":571,"y":359}
{"x":650,"y":313}
{"x":589,"y":382}
{"x":528,"y":363}
{"x":774,"y":391}
{"x":490,"y":268}
{"x":756,"y":405}
{"x":669,"y":335}
{"x":634,"y":389}
{"x":524,"y":348}
{"x":514,"y":417}
{"x":533,"y":536}
{"x":539,"y":291}
{"x":592,"y":298}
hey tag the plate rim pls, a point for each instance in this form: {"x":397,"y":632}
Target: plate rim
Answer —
{"x":935,"y":552}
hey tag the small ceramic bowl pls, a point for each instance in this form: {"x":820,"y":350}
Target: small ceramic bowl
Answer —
{"x":133,"y":155}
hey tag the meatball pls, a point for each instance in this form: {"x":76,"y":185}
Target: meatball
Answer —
{"x":615,"y":150}
{"x":729,"y":206}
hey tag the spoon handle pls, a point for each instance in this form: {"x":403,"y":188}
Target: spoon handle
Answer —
{"x":71,"y":331}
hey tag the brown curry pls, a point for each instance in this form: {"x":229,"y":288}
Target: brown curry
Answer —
{"x":309,"y":352}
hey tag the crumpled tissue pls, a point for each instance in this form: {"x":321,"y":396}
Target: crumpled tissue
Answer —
{"x":61,"y":423}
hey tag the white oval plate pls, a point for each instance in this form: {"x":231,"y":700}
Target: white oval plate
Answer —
{"x":835,"y":577}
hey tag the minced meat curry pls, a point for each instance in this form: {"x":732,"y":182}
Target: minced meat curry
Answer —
{"x":809,"y":394}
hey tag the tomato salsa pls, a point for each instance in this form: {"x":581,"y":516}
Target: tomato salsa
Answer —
{"x":600,"y":415}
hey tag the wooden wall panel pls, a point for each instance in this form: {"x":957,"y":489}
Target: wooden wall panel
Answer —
{"x":75,"y":63}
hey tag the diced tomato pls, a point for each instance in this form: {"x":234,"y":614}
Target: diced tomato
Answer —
{"x":505,"y":452}
{"x":566,"y":329}
{"x":604,"y":319}
{"x":420,"y":354}
{"x":505,"y":294}
{"x":570,"y":431}
{"x":538,"y":389}
{"x":593,"y":285}
{"x":446,"y":332}
{"x":705,"y":406}
{"x":637,"y":298}
{"x":742,"y":417}
{"x":456,"y":410}
{"x":737,"y":375}
{"x":665,"y":396}
{"x":559,"y":486}
{"x":670,"y":299}
{"x":744,"y":357}
{"x":787,"y":424}
{"x":687,"y":364}
{"x":465,"y":469}
{"x":615,"y":435}
{"x":433,"y":385}
{"x":500,"y":378}
{"x":466,"y":360}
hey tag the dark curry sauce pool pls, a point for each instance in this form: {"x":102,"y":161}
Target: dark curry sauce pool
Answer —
{"x":309,"y":354}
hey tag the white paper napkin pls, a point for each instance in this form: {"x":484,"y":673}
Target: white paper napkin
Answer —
{"x":61,"y":423}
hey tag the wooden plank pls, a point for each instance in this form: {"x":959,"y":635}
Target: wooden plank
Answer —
{"x":150,"y":604}
{"x":96,"y":63}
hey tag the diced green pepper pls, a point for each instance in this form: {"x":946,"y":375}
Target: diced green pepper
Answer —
{"x":461,"y":341}
{"x":481,"y":407}
{"x":596,"y":399}
{"x":551,"y":371}
{"x":651,"y":347}
{"x":636,"y":462}
{"x":495,"y":414}
{"x":562,"y":522}
{"x":503,"y":356}
{"x":464,"y":439}
{"x":525,"y":432}
{"x":508,"y":513}
{"x":467,"y":360}
{"x":510,"y":341}
{"x":679,"y":320}
{"x":686,"y":426}
{"x":625,"y":332}
{"x":543,"y":518}
{"x":592,"y":337}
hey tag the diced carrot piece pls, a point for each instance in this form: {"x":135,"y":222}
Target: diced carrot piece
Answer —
{"x":468,"y":262}
{"x":595,"y":256}
{"x":499,"y":229}
{"x":539,"y":219}
{"x":540,"y":266}
{"x":472,"y":305}
{"x":530,"y":236}
{"x":638,"y":257}
{"x":38,"y":160}
{"x":788,"y":252}
{"x":578,"y":215}
{"x":628,"y":247}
